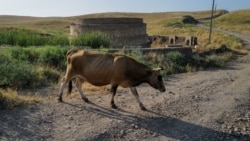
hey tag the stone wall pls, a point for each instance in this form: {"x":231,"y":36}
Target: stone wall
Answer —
{"x":122,"y":31}
{"x":186,"y":51}
{"x":172,"y":41}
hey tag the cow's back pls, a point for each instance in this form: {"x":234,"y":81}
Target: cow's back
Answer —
{"x":96,"y":68}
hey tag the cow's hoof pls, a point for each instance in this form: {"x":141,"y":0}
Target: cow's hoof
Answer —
{"x":114,"y":106}
{"x":86,"y":100}
{"x":143,"y":108}
{"x":60,"y":99}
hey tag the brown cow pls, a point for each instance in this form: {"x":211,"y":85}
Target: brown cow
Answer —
{"x":101,"y":69}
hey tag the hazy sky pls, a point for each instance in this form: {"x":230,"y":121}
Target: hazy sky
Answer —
{"x":47,"y":8}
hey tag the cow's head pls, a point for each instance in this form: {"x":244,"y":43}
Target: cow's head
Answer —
{"x":155,"y":79}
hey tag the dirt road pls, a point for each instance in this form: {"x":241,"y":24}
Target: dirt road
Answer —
{"x":207,"y":105}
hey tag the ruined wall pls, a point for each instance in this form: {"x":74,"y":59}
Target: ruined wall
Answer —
{"x":186,"y":51}
{"x":168,"y":41}
{"x":122,"y":31}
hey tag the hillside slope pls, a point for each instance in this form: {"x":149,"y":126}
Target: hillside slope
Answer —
{"x":60,"y":25}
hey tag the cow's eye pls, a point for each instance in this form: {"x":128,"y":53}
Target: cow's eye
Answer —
{"x":159,"y":77}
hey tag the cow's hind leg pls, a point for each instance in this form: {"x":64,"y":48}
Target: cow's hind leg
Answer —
{"x":135,"y":93}
{"x":79,"y":87}
{"x":113,"y":91}
{"x":63,"y":83}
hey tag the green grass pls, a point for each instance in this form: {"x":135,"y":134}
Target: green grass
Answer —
{"x":24,"y":38}
{"x":93,"y":39}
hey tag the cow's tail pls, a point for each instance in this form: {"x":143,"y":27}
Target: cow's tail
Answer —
{"x":69,"y":88}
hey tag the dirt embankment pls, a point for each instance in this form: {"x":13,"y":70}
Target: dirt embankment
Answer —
{"x":207,"y":105}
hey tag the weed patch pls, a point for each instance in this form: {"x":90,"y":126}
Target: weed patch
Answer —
{"x":10,"y":99}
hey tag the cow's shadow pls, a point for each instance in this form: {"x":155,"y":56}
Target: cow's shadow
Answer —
{"x":164,"y":125}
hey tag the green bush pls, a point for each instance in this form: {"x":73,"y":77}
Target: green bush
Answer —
{"x":172,"y":62}
{"x":54,"y":57}
{"x":189,"y":20}
{"x":16,"y":74}
{"x":31,"y":67}
{"x":215,"y":60}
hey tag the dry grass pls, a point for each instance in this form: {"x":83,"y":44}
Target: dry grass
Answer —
{"x":10,"y":99}
{"x":238,"y":21}
{"x":60,"y":25}
{"x":156,"y":25}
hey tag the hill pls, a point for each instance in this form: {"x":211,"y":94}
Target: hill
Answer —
{"x":238,"y":21}
{"x":162,"y":23}
{"x":60,"y":25}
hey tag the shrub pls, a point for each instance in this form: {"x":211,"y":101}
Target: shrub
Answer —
{"x":189,"y":20}
{"x":48,"y":75}
{"x":215,"y":60}
{"x":31,"y":67}
{"x":172,"y":62}
{"x":16,"y":74}
{"x":52,"y":56}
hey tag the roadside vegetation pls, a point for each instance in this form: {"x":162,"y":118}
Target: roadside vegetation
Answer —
{"x":32,"y":58}
{"x":10,"y":99}
{"x":26,"y":38}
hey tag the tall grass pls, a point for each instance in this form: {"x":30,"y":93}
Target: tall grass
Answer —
{"x":24,"y":38}
{"x":172,"y":62}
{"x":93,"y":39}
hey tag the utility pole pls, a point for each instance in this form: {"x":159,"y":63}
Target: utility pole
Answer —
{"x":215,"y":6}
{"x":211,"y":23}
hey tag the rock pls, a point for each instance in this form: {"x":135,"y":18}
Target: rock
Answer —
{"x":134,"y":126}
{"x":122,"y":132}
{"x":67,"y":127}
{"x":154,"y":134}
{"x":71,"y":118}
{"x":236,"y":129}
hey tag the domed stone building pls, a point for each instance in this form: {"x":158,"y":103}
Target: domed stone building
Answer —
{"x":122,"y":31}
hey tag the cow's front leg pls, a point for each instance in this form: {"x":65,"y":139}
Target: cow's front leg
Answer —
{"x":135,"y":93}
{"x":113,"y":91}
